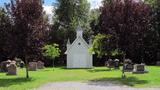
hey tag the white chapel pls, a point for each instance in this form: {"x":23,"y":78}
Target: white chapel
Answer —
{"x":77,"y":52}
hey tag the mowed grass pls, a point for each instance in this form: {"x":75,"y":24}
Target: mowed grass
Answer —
{"x":47,"y":75}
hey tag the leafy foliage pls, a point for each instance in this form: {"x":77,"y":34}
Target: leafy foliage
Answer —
{"x":5,"y":35}
{"x":130,"y":25}
{"x":30,"y":28}
{"x":51,"y":51}
{"x":68,"y":15}
{"x":103,"y":45}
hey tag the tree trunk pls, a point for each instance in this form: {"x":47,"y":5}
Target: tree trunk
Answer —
{"x":53,"y":64}
{"x":123,"y":73}
{"x":27,"y":72}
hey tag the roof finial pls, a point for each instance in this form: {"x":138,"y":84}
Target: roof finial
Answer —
{"x":68,"y":42}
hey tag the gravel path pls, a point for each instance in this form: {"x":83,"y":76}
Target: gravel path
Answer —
{"x":88,"y":86}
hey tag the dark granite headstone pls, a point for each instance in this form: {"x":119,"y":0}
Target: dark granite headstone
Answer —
{"x":21,"y":64}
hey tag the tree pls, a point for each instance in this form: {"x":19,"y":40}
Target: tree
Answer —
{"x":51,"y":51}
{"x":103,"y":49}
{"x":5,"y":35}
{"x":30,"y":29}
{"x":157,"y":24}
{"x":94,"y":20}
{"x":68,"y":15}
{"x":130,"y":24}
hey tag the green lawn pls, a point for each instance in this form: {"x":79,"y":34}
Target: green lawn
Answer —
{"x":38,"y":78}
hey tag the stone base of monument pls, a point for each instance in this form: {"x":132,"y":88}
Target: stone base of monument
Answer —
{"x":139,"y":69}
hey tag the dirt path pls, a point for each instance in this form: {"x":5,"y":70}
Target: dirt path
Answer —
{"x":88,"y":86}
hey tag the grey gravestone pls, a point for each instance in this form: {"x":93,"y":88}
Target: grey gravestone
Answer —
{"x":116,"y":63}
{"x":32,"y":66}
{"x":139,"y":69}
{"x":158,"y":63}
{"x":12,"y":69}
{"x":40,"y":65}
{"x":3,"y":65}
{"x":127,"y":61}
{"x":128,"y":65}
{"x":110,"y":63}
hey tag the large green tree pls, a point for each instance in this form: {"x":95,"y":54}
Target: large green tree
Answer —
{"x":68,"y":15}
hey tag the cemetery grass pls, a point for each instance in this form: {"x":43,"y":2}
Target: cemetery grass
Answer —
{"x":47,"y":75}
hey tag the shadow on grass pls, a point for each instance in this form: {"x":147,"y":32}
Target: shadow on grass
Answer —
{"x":65,"y":68}
{"x":13,"y":81}
{"x":101,"y":70}
{"x":129,"y":81}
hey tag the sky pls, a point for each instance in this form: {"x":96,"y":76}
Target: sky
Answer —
{"x":48,"y":4}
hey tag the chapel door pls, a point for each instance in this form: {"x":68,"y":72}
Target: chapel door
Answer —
{"x":79,"y":61}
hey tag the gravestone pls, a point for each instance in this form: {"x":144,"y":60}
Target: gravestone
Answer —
{"x":128,"y":66}
{"x":158,"y":63}
{"x":110,"y":63}
{"x":12,"y":69}
{"x":32,"y":66}
{"x":139,"y":69}
{"x":127,"y":61}
{"x":40,"y":65}
{"x":3,"y":65}
{"x":21,"y":64}
{"x":116,"y":63}
{"x":14,"y":62}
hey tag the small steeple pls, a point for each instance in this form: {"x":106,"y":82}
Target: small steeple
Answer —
{"x":68,"y":42}
{"x":79,"y":31}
